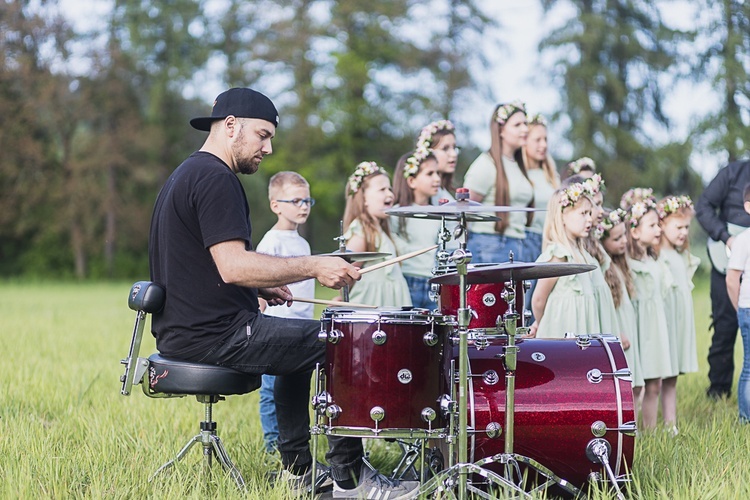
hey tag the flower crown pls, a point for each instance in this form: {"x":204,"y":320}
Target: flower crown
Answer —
{"x":639,"y":209}
{"x":673,"y":204}
{"x":594,"y":184}
{"x":415,"y":160}
{"x":609,"y":221}
{"x":363,"y":170}
{"x":506,"y":110}
{"x":536,"y":119}
{"x":572,"y":194}
{"x":428,"y":132}
{"x":634,"y":195}
{"x":580,"y":164}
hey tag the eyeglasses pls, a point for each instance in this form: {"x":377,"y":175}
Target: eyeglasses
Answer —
{"x":298,"y":202}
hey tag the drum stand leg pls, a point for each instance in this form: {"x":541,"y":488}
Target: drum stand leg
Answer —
{"x":456,"y":476}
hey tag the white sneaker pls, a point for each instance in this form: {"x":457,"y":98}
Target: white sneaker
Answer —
{"x":375,"y":486}
{"x":302,"y":484}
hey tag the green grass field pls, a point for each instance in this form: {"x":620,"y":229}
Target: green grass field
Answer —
{"x":67,"y":432}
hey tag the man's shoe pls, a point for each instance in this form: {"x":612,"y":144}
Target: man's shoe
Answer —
{"x":302,"y":484}
{"x":375,"y":486}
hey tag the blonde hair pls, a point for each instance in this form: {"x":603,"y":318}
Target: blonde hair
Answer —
{"x":355,"y":209}
{"x":554,"y":229}
{"x":548,"y":165}
{"x":281,"y":180}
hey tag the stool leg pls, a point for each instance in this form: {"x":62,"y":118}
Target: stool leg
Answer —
{"x":211,"y":445}
{"x":196,"y":439}
{"x":226,"y":462}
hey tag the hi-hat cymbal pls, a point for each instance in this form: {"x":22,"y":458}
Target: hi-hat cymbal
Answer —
{"x":507,"y":271}
{"x":471,"y":210}
{"x":355,"y":256}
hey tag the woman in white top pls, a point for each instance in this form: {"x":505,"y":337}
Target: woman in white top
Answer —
{"x":498,"y":177}
{"x":542,"y":172}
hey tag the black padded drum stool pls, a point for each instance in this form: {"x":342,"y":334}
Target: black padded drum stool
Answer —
{"x":169,"y":378}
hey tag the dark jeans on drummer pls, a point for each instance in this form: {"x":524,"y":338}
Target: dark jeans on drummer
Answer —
{"x":725,"y":325}
{"x":290,"y":350}
{"x":419,"y":290}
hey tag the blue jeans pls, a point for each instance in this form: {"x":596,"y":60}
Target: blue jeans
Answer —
{"x":743,"y":389}
{"x":532,"y":249}
{"x":419,"y":289}
{"x":268,"y":414}
{"x":494,"y":248}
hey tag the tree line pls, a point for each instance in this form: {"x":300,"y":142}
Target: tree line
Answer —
{"x":92,"y":123}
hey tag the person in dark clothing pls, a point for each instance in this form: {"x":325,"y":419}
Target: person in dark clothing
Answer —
{"x":720,"y":211}
{"x":200,"y":250}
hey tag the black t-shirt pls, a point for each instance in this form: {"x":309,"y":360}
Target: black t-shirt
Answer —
{"x":722,"y":201}
{"x":201,"y":204}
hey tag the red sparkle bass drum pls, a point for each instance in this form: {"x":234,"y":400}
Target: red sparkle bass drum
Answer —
{"x":383,"y":371}
{"x":568,"y":393}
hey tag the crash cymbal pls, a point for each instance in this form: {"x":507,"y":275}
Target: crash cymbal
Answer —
{"x":355,"y":256}
{"x":472,"y":210}
{"x":499,"y":273}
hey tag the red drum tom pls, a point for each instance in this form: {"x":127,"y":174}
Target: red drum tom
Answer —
{"x":567,"y":394}
{"x":485,"y":301}
{"x":383,"y":371}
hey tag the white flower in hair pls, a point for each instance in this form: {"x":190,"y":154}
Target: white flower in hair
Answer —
{"x":506,"y":110}
{"x":414,"y":161}
{"x":674,"y":204}
{"x":580,"y":163}
{"x":639,"y":209}
{"x":571,"y":194}
{"x":363,"y":170}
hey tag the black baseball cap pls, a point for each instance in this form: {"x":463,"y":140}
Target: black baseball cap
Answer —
{"x":239,"y":102}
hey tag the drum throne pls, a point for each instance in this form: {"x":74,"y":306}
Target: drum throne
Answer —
{"x":161,"y":377}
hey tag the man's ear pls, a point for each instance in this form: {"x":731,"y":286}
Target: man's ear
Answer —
{"x":231,"y":125}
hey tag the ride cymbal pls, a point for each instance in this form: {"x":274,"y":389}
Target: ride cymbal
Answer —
{"x":508,"y":271}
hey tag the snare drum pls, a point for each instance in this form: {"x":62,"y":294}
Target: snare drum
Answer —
{"x":567,"y":394}
{"x":382,"y":371}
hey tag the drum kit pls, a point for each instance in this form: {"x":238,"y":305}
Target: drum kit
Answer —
{"x":477,"y":410}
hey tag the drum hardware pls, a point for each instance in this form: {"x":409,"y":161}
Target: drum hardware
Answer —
{"x":595,"y":375}
{"x":598,"y":451}
{"x":599,"y":428}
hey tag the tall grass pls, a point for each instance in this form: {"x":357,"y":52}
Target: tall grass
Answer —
{"x":67,"y":432}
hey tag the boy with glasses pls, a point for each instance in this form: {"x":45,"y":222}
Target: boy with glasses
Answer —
{"x":289,"y":197}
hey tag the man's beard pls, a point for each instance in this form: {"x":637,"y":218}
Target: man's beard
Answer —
{"x":246,"y":166}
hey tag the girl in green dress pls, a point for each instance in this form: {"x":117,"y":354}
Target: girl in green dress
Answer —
{"x":368,"y":196}
{"x":566,"y":304}
{"x":652,"y":338}
{"x":612,"y":231}
{"x":675,"y":214}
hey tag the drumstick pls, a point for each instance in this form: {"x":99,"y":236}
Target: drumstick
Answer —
{"x":332,"y":302}
{"x":396,"y":259}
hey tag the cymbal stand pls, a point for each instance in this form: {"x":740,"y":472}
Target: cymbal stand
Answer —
{"x":512,"y":480}
{"x":342,"y":249}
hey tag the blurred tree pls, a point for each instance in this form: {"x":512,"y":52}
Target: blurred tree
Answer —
{"x":615,"y":60}
{"x":35,"y":134}
{"x":356,"y":82}
{"x":725,"y":32}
